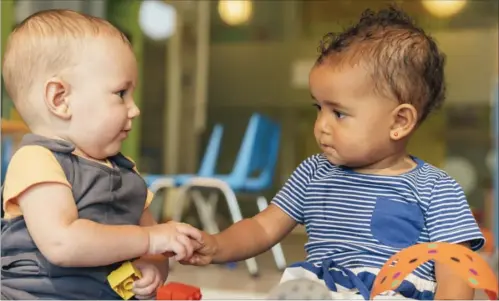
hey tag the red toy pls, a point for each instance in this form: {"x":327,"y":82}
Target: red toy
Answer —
{"x":178,"y":291}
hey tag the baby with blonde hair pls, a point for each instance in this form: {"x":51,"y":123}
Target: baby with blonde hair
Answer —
{"x":75,"y":207}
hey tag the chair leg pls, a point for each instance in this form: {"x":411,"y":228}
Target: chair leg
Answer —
{"x":207,"y":210}
{"x":156,"y":186}
{"x":161,"y":184}
{"x":183,"y":195}
{"x":235,"y":212}
{"x":178,"y":208}
{"x":277,"y":251}
{"x":234,"y":209}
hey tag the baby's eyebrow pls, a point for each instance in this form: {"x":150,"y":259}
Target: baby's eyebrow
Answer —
{"x":331,"y":103}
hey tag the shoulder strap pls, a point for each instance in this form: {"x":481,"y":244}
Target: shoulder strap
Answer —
{"x":67,"y":168}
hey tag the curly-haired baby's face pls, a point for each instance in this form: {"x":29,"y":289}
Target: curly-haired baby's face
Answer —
{"x":355,"y":126}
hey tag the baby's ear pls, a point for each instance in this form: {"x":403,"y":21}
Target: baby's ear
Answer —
{"x":56,"y":98}
{"x":405,"y":119}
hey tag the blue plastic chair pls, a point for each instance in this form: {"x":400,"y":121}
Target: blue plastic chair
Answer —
{"x":207,"y":168}
{"x":7,"y":151}
{"x":258,"y":154}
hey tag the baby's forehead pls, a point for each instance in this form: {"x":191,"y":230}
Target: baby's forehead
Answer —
{"x":104,"y":51}
{"x":341,"y":75}
{"x":349,"y":86}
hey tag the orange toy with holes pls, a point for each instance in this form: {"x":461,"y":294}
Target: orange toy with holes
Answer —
{"x":178,"y":291}
{"x":466,"y":263}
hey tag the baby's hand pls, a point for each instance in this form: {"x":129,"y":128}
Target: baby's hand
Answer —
{"x":179,"y":238}
{"x":203,"y":254}
{"x":145,"y":288}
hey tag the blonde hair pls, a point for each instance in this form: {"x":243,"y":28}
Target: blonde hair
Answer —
{"x":43,"y":45}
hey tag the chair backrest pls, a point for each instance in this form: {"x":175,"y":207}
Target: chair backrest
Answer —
{"x":7,"y":151}
{"x":210,"y":157}
{"x":259,"y":150}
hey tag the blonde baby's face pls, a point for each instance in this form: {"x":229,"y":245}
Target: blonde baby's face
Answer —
{"x":100,"y":98}
{"x":354,"y":125}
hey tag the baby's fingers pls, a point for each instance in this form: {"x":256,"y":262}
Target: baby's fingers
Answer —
{"x":197,"y":260}
{"x":146,"y":290}
{"x":143,"y":282}
{"x":196,"y":245}
{"x":187,"y":243}
{"x":190,"y":231}
{"x":146,"y":293}
{"x":178,"y":248}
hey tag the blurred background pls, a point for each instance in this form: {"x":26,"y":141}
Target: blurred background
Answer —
{"x":204,"y":63}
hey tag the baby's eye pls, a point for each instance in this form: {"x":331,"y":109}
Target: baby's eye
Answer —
{"x":339,"y":114}
{"x":317,"y":106}
{"x":121,"y":93}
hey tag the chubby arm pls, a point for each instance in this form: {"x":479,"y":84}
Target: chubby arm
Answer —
{"x":449,"y":285}
{"x":36,"y":188}
{"x":160,"y":261}
{"x":66,"y":240}
{"x":252,"y":236}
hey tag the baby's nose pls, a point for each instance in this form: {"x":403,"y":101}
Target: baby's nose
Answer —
{"x":133,"y":112}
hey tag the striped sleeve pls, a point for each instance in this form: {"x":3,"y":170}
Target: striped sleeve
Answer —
{"x":449,"y":218}
{"x":292,"y":195}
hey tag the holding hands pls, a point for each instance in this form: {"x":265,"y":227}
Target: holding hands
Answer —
{"x":203,"y":255}
{"x":174,"y":239}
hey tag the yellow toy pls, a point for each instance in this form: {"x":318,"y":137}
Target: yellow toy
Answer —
{"x":121,"y":279}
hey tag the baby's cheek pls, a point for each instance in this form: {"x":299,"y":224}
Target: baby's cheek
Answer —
{"x":348,"y":139}
{"x":355,"y":146}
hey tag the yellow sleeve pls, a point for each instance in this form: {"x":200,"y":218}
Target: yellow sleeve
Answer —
{"x":149,"y":198}
{"x":29,"y":166}
{"x":150,"y":195}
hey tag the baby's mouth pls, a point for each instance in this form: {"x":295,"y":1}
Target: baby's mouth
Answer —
{"x":326,"y":146}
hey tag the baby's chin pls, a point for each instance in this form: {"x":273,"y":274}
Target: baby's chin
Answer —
{"x":104,"y":153}
{"x":338,"y":161}
{"x":333,"y":159}
{"x":112,"y":152}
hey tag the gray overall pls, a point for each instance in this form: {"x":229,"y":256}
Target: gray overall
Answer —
{"x":106,"y":195}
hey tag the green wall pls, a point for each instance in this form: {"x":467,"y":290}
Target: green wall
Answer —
{"x":7,"y":22}
{"x":125,"y":15}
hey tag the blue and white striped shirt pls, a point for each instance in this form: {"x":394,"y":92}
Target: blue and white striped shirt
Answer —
{"x":359,"y":221}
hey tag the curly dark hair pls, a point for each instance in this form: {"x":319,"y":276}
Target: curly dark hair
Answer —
{"x":403,"y":60}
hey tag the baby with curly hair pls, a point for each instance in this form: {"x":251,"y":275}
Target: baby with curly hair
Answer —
{"x":364,"y":197}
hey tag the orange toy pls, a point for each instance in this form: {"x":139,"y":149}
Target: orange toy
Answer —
{"x":466,"y":263}
{"x":178,"y":291}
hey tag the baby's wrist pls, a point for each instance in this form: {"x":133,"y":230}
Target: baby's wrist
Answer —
{"x":148,"y":234}
{"x":215,"y":248}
